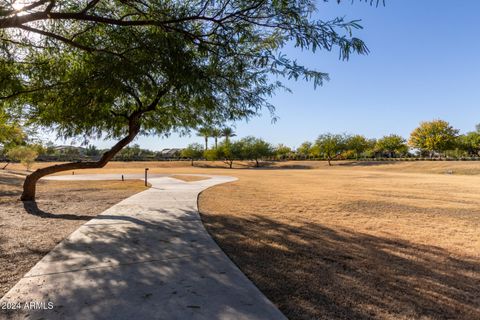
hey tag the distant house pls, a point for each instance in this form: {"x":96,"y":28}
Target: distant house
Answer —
{"x":173,"y":153}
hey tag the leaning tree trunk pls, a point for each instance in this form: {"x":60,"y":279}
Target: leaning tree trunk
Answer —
{"x":30,"y":184}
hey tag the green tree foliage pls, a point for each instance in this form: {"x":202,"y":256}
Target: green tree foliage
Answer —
{"x":123,"y":68}
{"x":37,"y":147}
{"x":25,"y":154}
{"x":134,"y":152}
{"x":470,"y":143}
{"x":212,"y":155}
{"x":392,"y":145}
{"x":434,"y":136}
{"x":228,"y":133}
{"x":330,"y":146}
{"x":370,"y":151}
{"x":205,"y":133}
{"x":50,"y":148}
{"x":11,"y":134}
{"x":216,"y":133}
{"x":74,"y":152}
{"x":200,"y":22}
{"x":92,"y":151}
{"x":256,"y":149}
{"x":358,"y":144}
{"x":130,"y":152}
{"x":231,"y":151}
{"x":193,"y":152}
{"x":282,"y":152}
{"x":305,"y":150}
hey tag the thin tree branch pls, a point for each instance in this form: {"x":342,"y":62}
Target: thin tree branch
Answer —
{"x":58,"y":37}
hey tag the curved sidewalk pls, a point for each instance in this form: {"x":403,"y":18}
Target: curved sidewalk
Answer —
{"x":148,"y":257}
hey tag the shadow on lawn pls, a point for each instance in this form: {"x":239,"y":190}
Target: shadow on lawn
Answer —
{"x":10,"y":188}
{"x":32,"y":208}
{"x":264,"y":165}
{"x":368,"y":163}
{"x":315,"y":272}
{"x":10,"y":180}
{"x":142,"y":269}
{"x":309,"y":271}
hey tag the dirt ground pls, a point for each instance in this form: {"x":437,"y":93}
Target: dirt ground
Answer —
{"x":359,"y":240}
{"x":30,"y":231}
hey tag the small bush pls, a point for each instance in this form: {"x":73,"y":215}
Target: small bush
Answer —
{"x":25,"y":154}
{"x":211,"y":155}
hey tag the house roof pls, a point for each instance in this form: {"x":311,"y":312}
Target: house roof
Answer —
{"x":171,"y":151}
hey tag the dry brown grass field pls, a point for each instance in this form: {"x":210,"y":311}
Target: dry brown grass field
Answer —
{"x":393,"y":240}
{"x":354,"y":244}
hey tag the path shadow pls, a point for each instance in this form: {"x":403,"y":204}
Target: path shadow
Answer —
{"x":166,"y":270}
{"x":315,"y":272}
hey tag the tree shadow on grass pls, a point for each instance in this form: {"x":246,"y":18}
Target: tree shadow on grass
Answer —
{"x":263,"y":165}
{"x":10,"y":180}
{"x":309,"y":270}
{"x":10,"y":185}
{"x":368,"y":163}
{"x":9,"y":193}
{"x":32,"y":208}
{"x":283,"y":167}
{"x":11,"y":190}
{"x":138,"y":267}
{"x":314,"y":272}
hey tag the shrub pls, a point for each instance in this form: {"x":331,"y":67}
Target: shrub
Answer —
{"x":211,"y":154}
{"x":25,"y":154}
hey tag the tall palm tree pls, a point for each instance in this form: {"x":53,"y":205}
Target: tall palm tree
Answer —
{"x":227,"y":133}
{"x":215,"y":133}
{"x":205,"y":132}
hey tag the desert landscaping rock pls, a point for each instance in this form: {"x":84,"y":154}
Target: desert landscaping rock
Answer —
{"x":148,"y":257}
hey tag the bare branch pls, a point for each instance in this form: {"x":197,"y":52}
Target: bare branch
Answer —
{"x":50,"y":6}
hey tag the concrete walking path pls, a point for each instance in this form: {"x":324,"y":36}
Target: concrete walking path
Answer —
{"x":148,"y":257}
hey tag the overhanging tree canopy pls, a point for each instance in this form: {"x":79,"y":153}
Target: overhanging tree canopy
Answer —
{"x":123,"y":68}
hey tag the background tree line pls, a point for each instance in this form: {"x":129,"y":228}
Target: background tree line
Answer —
{"x":435,"y":139}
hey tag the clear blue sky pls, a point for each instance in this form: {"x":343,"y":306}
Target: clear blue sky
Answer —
{"x":424,"y":64}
